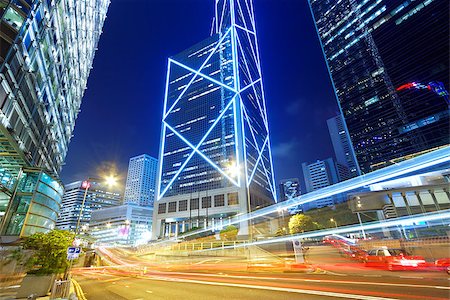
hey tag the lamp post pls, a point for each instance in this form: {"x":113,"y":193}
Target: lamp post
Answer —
{"x":110,"y":181}
{"x":359,"y":205}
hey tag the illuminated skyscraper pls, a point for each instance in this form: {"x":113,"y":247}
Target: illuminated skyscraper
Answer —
{"x":215,"y":158}
{"x":389,"y":64}
{"x":46,"y":54}
{"x":141,"y":180}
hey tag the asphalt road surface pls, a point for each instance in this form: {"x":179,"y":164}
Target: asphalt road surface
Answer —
{"x":117,"y":285}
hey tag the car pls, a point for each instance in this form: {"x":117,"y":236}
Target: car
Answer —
{"x":393,"y":259}
{"x":443,"y":264}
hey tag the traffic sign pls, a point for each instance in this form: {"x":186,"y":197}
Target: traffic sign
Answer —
{"x":298,"y":251}
{"x":73,"y":253}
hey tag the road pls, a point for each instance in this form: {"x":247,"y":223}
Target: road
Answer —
{"x":118,"y":285}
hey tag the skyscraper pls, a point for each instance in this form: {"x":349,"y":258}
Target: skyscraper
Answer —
{"x":215,"y":141}
{"x":46,"y":54}
{"x":389,"y":64}
{"x":141,"y":180}
{"x":343,"y":149}
{"x":317,"y":175}
{"x":289,"y":188}
{"x":97,"y":197}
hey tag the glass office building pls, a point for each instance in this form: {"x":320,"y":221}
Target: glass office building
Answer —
{"x":46,"y":54}
{"x":389,"y":64}
{"x":215,"y":158}
{"x":141,"y":180}
{"x":98,"y":196}
{"x":34,"y":204}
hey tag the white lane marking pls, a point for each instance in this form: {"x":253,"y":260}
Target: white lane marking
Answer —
{"x":279,"y":289}
{"x":9,"y":287}
{"x":411,"y":277}
{"x":150,"y":292}
{"x":127,"y":286}
{"x":317,"y":280}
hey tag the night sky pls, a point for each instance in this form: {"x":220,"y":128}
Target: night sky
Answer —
{"x":122,"y":107}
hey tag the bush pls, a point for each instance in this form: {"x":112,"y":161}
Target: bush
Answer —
{"x":50,"y":251}
{"x":300,"y":223}
{"x":229,"y":233}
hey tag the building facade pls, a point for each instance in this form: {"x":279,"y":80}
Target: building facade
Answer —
{"x":127,"y":224}
{"x":317,"y":175}
{"x":342,"y":146}
{"x":215,"y":158}
{"x":46,"y":53}
{"x":289,"y":188}
{"x":141,"y":180}
{"x":388,"y":61}
{"x":97,"y":197}
{"x":33,"y":206}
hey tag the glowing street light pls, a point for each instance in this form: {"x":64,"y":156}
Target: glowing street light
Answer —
{"x":335,"y":223}
{"x":109,"y":180}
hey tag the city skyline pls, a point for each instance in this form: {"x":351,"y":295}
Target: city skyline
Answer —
{"x":283,"y":120}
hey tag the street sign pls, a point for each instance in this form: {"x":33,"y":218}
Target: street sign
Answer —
{"x":73,"y":253}
{"x":298,"y":251}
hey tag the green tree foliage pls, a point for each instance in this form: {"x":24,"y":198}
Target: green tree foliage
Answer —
{"x":50,"y":251}
{"x":229,"y":233}
{"x":301,"y":223}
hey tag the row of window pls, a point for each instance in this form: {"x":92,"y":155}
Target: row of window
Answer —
{"x":219,"y":201}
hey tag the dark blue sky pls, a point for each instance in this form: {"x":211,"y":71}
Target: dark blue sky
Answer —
{"x":122,"y":107}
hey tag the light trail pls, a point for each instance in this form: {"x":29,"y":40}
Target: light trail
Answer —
{"x":421,"y":162}
{"x":434,"y":216}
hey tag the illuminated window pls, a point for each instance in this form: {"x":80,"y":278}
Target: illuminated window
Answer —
{"x":233,"y":199}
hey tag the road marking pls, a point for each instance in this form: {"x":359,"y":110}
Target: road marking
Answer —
{"x":112,"y":280}
{"x":150,"y":292}
{"x":279,"y":289}
{"x":314,"y":280}
{"x":10,"y":287}
{"x":127,"y":286}
{"x":78,"y":290}
{"x":411,"y":277}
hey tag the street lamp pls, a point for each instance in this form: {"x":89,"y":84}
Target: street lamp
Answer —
{"x":109,"y":180}
{"x":335,"y":223}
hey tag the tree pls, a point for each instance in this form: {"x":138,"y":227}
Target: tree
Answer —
{"x":50,"y":251}
{"x":229,"y":233}
{"x":301,"y":223}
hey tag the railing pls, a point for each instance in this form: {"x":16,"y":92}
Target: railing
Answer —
{"x":195,"y":246}
{"x":60,"y":289}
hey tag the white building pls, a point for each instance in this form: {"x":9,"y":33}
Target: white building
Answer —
{"x":127,"y":224}
{"x":97,"y":197}
{"x":141,"y":180}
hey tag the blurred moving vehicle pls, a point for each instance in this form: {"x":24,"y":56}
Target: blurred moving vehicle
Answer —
{"x":393,"y":259}
{"x":443,"y":264}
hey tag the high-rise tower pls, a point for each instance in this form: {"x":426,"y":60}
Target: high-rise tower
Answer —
{"x":141,"y":180}
{"x":389,"y":64}
{"x":215,"y":158}
{"x":46,"y":53}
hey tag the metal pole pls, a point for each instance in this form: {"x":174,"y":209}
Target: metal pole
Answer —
{"x":81,"y":208}
{"x":362,"y":228}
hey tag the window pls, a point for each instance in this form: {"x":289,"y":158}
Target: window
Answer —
{"x":182,"y":205}
{"x":172,"y":206}
{"x":206,"y":202}
{"x":194,"y":203}
{"x":219,"y":200}
{"x":233,"y":198}
{"x":13,"y":18}
{"x":162,"y":208}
